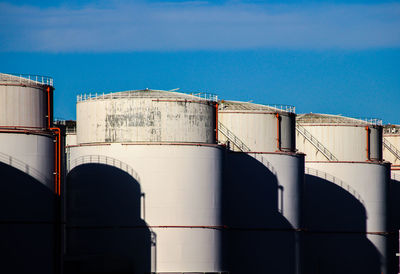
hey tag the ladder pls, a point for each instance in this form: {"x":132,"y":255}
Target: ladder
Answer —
{"x":317,"y":144}
{"x":391,"y":148}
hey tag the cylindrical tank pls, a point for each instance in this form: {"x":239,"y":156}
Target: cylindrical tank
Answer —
{"x":145,"y":116}
{"x":30,"y":94}
{"x":162,"y":184}
{"x":27,"y":166}
{"x":346,"y":193}
{"x":264,"y":128}
{"x":263,"y":168}
{"x":347,"y":204}
{"x":30,"y":153}
{"x":348,"y":139}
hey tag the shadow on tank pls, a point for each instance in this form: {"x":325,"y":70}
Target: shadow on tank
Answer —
{"x":334,"y":240}
{"x":27,"y":216}
{"x":105,"y":232}
{"x":258,"y":239}
{"x":395,"y":225}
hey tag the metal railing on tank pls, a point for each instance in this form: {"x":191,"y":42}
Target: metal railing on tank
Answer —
{"x":285,"y":108}
{"x":243,"y":147}
{"x":24,"y":167}
{"x":142,"y":94}
{"x":336,"y":181}
{"x":317,"y":144}
{"x":389,"y":146}
{"x":391,"y":130}
{"x":338,"y":120}
{"x":232,"y":137}
{"x":102,"y":159}
{"x":21,"y":78}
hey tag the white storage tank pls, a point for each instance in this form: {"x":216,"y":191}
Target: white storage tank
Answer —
{"x":264,"y":128}
{"x":31,"y":94}
{"x":145,"y":116}
{"x":342,"y":138}
{"x":27,"y":164}
{"x":346,"y":194}
{"x":262,"y":193}
{"x":150,"y":179}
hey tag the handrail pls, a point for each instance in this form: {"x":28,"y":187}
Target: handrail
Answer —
{"x":264,"y":161}
{"x":102,"y":159}
{"x":391,"y":148}
{"x":24,"y":167}
{"x":335,"y":180}
{"x":116,"y":95}
{"x":317,"y":144}
{"x":338,"y":120}
{"x":37,"y":79}
{"x":391,"y":130}
{"x":243,"y":147}
{"x":233,"y":138}
{"x":285,"y":108}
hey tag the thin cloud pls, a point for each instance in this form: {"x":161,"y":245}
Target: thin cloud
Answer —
{"x":198,"y":26}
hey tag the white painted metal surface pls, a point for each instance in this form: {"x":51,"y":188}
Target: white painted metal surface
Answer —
{"x":23,"y":103}
{"x":258,"y":127}
{"x":32,"y":154}
{"x":371,"y":183}
{"x":346,"y":138}
{"x":289,"y":170}
{"x":146,"y":116}
{"x":70,"y":139}
{"x":393,"y":140}
{"x":182,"y":185}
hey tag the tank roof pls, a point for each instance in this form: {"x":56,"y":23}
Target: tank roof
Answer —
{"x":149,"y":93}
{"x":248,"y":106}
{"x":25,"y":79}
{"x":318,"y":118}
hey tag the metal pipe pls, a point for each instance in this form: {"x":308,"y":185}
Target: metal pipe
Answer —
{"x":278,"y":138}
{"x":216,"y":122}
{"x":368,"y":143}
{"x":57,"y":163}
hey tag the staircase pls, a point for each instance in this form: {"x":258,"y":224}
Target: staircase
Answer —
{"x":317,"y":144}
{"x":243,"y":147}
{"x":233,"y":138}
{"x":391,"y":148}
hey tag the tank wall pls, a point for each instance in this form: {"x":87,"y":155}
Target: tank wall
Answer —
{"x":23,"y":106}
{"x":262,"y":205}
{"x":376,"y":143}
{"x":145,"y":120}
{"x":27,"y":204}
{"x":259,"y":131}
{"x":288,"y":132}
{"x":70,"y":140}
{"x":346,"y":143}
{"x":32,"y":154}
{"x":369,"y":185}
{"x":181,"y":185}
{"x":289,"y":170}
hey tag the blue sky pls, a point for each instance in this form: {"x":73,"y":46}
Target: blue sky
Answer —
{"x":340,"y":57}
